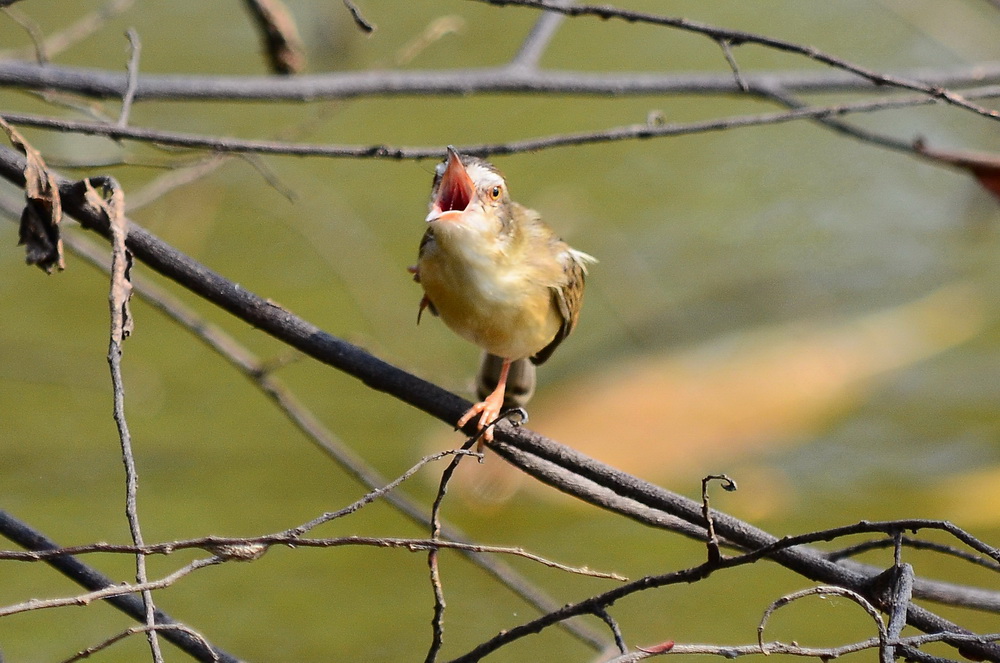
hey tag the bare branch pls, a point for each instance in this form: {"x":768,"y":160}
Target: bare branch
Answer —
{"x":89,"y":578}
{"x":538,"y":39}
{"x":630,"y":132}
{"x":33,"y":31}
{"x":822,"y":591}
{"x":84,"y":27}
{"x":254,"y":547}
{"x":737,"y":37}
{"x":713,"y":540}
{"x":121,"y":326}
{"x":135,"y":47}
{"x":917,"y":544}
{"x":790,"y":101}
{"x":359,"y":20}
{"x":132,"y":630}
{"x":615,"y":629}
{"x":727,"y":50}
{"x":826,"y":653}
{"x":504,"y":80}
{"x":435,"y":30}
{"x":173,"y":179}
{"x":377,"y":493}
{"x":899,"y":601}
{"x":437,"y":621}
{"x":111,"y":591}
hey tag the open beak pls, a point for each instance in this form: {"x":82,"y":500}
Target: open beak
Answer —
{"x":454,"y":191}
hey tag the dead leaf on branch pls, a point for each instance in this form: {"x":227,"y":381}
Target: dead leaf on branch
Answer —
{"x":39,"y":230}
{"x":281,"y":36}
{"x":112,"y":204}
{"x":984,"y":166}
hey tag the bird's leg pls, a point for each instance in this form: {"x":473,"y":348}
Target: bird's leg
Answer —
{"x":489,"y":408}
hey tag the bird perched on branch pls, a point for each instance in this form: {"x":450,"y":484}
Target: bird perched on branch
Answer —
{"x":497,"y":276}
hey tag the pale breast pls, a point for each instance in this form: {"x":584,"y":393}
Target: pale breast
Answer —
{"x":488,"y":299}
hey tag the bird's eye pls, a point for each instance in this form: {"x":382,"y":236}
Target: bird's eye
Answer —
{"x":495,"y":193}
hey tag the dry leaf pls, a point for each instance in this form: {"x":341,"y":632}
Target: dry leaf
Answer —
{"x":121,"y":258}
{"x":661,"y":648}
{"x":281,"y":36}
{"x":984,"y":166}
{"x":39,"y":231}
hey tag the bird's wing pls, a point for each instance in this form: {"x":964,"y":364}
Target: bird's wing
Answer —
{"x":567,"y":297}
{"x":425,"y":301}
{"x":428,"y":238}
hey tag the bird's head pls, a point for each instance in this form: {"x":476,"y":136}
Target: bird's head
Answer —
{"x":469,"y":191}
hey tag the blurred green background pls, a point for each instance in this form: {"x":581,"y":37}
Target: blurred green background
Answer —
{"x":814,"y":316}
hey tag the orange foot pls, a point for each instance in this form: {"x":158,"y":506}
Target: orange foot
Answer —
{"x":488,"y":409}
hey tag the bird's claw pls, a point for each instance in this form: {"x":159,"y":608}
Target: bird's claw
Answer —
{"x":489,"y":414}
{"x":519,"y":412}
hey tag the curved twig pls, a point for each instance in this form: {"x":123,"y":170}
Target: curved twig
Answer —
{"x":821,"y":591}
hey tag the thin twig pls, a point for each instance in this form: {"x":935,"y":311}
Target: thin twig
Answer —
{"x":727,"y":50}
{"x":714,"y":555}
{"x":84,"y":27}
{"x":85,"y":576}
{"x":174,"y":178}
{"x":437,"y":621}
{"x":111,"y":591}
{"x":31,"y":28}
{"x":358,"y":19}
{"x":916,"y":544}
{"x":616,"y":630}
{"x":251,"y":548}
{"x":534,"y":45}
{"x":377,"y":493}
{"x":822,"y":590}
{"x":717,"y":33}
{"x":132,"y":630}
{"x":892,"y":526}
{"x":823,"y":653}
{"x":788,"y":100}
{"x":642,"y":130}
{"x":121,"y":327}
{"x":135,"y":48}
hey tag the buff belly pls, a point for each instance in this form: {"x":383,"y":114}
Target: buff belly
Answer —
{"x":498,"y":311}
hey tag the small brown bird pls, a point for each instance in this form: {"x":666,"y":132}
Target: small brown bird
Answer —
{"x":496,"y":274}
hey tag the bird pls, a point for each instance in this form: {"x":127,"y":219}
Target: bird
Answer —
{"x":497,"y":276}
